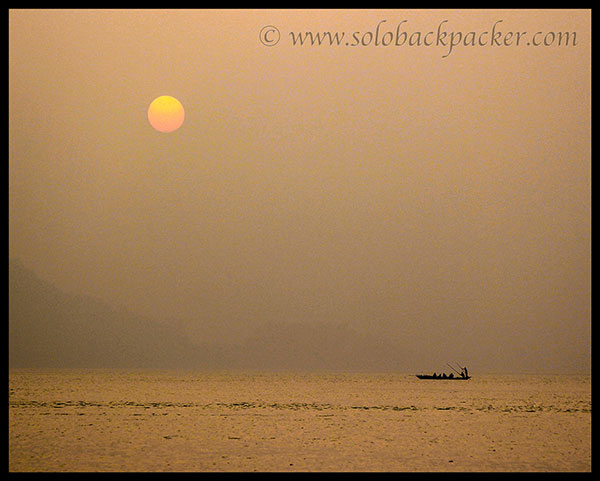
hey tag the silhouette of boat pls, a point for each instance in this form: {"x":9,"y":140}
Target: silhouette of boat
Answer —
{"x":463,"y":375}
{"x":440,"y":378}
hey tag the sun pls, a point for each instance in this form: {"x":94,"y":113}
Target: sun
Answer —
{"x":166,"y":113}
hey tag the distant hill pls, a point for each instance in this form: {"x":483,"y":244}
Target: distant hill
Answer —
{"x":51,"y":328}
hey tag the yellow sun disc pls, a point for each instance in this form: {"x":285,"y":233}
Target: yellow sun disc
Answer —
{"x":166,"y":114}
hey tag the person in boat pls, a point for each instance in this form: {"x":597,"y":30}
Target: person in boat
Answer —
{"x":465,"y":372}
{"x":444,"y":375}
{"x":451,"y":375}
{"x":434,"y":375}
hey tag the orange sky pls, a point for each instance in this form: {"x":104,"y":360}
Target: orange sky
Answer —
{"x":441,"y":200}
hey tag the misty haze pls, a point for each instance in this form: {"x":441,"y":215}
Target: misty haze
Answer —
{"x":360,"y":209}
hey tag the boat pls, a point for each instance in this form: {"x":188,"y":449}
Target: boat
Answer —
{"x":440,"y":378}
{"x":463,"y":375}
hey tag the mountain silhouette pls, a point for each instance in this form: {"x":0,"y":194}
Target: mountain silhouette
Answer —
{"x":51,"y":328}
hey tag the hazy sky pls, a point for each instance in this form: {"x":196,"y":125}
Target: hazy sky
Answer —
{"x":439,"y":199}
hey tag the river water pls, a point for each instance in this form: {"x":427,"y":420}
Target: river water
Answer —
{"x":118,"y":420}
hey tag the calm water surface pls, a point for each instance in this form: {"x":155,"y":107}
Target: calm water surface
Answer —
{"x":111,"y":420}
